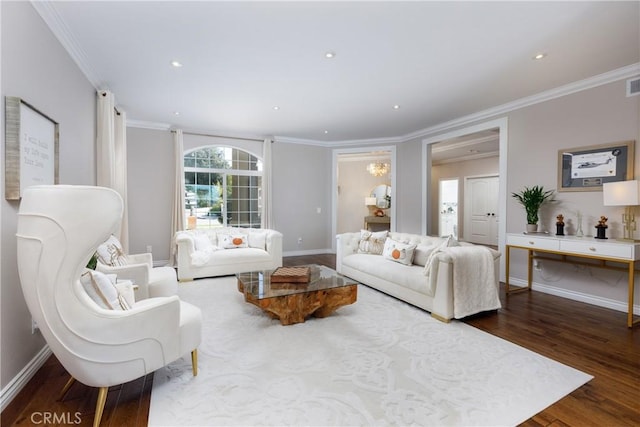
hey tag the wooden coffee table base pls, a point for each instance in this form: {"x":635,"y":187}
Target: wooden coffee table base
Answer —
{"x":295,"y":308}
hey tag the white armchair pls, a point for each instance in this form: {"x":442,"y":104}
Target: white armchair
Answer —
{"x":150,"y":281}
{"x":59,"y":228}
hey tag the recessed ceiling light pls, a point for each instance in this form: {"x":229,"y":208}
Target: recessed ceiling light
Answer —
{"x":396,"y":107}
{"x":176,"y":64}
{"x":176,"y":113}
{"x":275,"y":107}
{"x":330,"y":55}
{"x":326,"y":132}
{"x":539,"y":56}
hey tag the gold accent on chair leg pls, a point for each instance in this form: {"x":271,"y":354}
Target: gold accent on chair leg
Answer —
{"x":194,"y":362}
{"x":102,"y":399}
{"x":66,"y":388}
{"x":440,"y":318}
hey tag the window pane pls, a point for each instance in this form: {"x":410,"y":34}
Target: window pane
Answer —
{"x":215,"y":199}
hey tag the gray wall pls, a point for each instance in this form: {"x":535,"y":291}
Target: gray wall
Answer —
{"x":36,"y":68}
{"x":595,"y":116}
{"x":150,"y":172}
{"x":301,"y":186}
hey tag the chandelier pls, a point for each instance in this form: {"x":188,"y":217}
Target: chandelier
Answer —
{"x":378,"y":168}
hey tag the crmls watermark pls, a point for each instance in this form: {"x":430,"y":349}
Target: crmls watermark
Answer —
{"x":44,"y":418}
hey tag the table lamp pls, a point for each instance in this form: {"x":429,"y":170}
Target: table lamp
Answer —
{"x":627,"y":194}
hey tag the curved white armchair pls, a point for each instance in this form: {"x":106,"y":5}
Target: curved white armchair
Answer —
{"x":59,"y":228}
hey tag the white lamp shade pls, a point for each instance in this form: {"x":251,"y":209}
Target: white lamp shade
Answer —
{"x":369,"y":201}
{"x":621,"y":193}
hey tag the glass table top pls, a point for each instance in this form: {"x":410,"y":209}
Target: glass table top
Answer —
{"x":258,"y":283}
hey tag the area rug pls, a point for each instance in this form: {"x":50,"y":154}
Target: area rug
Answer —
{"x":378,"y":362}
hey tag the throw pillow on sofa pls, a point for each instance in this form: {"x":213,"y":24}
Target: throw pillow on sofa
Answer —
{"x":421,"y":255}
{"x":111,"y":253}
{"x":102,"y":290}
{"x":372,"y":243}
{"x":232,"y":241}
{"x":398,"y":251}
{"x":202,"y":242}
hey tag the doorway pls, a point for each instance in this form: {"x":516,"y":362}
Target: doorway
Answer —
{"x":353,"y":185}
{"x":456,"y":140}
{"x":448,"y":208}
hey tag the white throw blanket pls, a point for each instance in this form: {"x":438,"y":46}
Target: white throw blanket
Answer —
{"x":474,"y":286}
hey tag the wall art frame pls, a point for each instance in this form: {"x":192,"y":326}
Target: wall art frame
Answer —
{"x":587,"y":168}
{"x":32,"y":148}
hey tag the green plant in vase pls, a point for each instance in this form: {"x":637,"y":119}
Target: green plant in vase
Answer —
{"x":532,"y":198}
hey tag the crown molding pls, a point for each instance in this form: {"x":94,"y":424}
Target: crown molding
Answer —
{"x":467,"y":158}
{"x":148,"y":125}
{"x":588,"y":83}
{"x":61,"y":31}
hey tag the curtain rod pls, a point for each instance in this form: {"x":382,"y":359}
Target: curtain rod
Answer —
{"x":220,"y":136}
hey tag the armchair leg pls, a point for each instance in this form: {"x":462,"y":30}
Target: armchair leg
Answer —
{"x":66,"y":388}
{"x":102,"y":399}
{"x":194,"y":362}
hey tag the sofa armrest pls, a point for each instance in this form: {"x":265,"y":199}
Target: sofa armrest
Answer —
{"x":144,"y":258}
{"x":274,"y":245}
{"x":185,"y":242}
{"x":137,"y":273}
{"x":346,"y":244}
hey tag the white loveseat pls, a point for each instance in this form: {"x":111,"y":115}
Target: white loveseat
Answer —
{"x":426,"y":280}
{"x":226,"y":250}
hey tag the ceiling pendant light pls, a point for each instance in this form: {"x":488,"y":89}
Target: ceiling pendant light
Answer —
{"x":378,"y":168}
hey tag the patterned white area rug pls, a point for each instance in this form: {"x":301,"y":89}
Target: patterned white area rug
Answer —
{"x":378,"y":362}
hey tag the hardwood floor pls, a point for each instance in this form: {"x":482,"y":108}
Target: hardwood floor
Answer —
{"x":589,"y":338}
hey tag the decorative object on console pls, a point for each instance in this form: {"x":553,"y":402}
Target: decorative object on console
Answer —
{"x":627,"y":194}
{"x":579,"y":232}
{"x":601,"y":228}
{"x":532,"y":198}
{"x":560,"y":225}
{"x":378,"y":168}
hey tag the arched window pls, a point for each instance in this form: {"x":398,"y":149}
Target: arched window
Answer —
{"x":222,"y":187}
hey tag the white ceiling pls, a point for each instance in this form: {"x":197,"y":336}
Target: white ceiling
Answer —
{"x":437,"y":60}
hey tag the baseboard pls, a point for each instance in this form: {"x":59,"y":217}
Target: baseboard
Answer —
{"x":308,"y":252}
{"x":19,"y":381}
{"x":576,"y":296}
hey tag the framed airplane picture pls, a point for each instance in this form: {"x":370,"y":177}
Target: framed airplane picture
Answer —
{"x":587,"y":168}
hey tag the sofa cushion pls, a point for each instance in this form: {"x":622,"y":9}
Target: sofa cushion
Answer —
{"x":422,"y":253}
{"x":202,"y":242}
{"x":257,"y":239}
{"x":375,"y":265}
{"x":372,"y":243}
{"x":398,"y":251}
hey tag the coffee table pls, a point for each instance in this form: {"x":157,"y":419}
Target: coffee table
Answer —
{"x":294,"y":302}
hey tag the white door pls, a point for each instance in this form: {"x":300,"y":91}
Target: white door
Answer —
{"x":481,"y":210}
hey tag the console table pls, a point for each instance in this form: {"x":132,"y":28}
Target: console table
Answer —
{"x":601,"y":251}
{"x":372,"y":219}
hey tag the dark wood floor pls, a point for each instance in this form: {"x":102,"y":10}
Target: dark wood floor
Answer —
{"x":589,"y":338}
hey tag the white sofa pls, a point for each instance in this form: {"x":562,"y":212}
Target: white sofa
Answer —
{"x":430,"y":288}
{"x":226,"y":250}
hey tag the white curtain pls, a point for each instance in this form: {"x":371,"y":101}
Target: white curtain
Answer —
{"x":111,"y":147}
{"x":267,"y":206}
{"x":177,"y":214}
